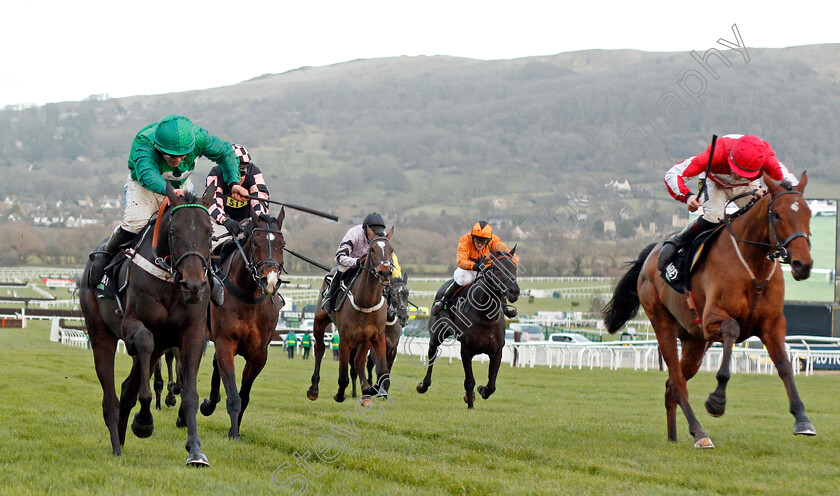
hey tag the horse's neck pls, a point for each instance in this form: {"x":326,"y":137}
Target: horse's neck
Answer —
{"x":482,"y":296}
{"x":366,"y":289}
{"x":753,"y":226}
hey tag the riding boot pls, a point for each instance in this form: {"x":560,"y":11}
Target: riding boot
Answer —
{"x":100,"y":259}
{"x":327,"y":304}
{"x":217,"y":290}
{"x":444,"y":299}
{"x":684,"y":237}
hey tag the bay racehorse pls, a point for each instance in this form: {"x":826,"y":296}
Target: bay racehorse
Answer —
{"x":476,"y":319}
{"x":398,"y":297}
{"x":738,"y":291}
{"x":360,"y":321}
{"x":244,"y":324}
{"x":166,"y":303}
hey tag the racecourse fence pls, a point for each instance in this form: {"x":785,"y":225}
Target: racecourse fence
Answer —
{"x":638,"y":355}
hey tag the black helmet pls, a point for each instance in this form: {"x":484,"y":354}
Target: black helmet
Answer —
{"x":376,"y":223}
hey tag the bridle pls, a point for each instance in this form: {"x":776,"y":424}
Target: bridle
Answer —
{"x":776,"y":248}
{"x":162,"y":262}
{"x":388,"y":262}
{"x":256,"y":268}
{"x":496,"y":284}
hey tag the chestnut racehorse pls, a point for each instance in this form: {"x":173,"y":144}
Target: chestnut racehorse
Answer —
{"x":738,"y":291}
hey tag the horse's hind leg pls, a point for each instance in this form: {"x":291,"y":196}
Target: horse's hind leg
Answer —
{"x":158,"y":385}
{"x":469,"y":378}
{"x":353,"y":374}
{"x":380,"y":349}
{"x":104,"y":345}
{"x":318,"y":329}
{"x":208,"y":406}
{"x":495,"y":363}
{"x":729,"y":331}
{"x":773,"y":338}
{"x":343,"y":376}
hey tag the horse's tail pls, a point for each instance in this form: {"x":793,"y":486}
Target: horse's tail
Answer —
{"x":625,"y":301}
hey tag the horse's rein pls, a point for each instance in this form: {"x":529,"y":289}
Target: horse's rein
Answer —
{"x":776,"y":249}
{"x":372,"y":270}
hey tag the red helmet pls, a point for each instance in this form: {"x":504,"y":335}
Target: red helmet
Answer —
{"x":482,"y":230}
{"x":748,"y":156}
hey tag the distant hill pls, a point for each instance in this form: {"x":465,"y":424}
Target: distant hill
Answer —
{"x":436,"y":142}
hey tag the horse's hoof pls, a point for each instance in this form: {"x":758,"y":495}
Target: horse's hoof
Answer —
{"x":353,"y":395}
{"x":715,"y":408}
{"x":366,"y":401}
{"x":177,"y":390}
{"x":233,"y":436}
{"x":704,"y":443}
{"x":180,"y":422}
{"x":207,"y":407}
{"x":806,"y":428}
{"x":484,"y":392}
{"x":170,"y":400}
{"x":422,"y":387}
{"x":197,"y":460}
{"x":142,"y":429}
{"x":341,"y":398}
{"x":371,"y":391}
{"x":312,"y":395}
{"x":157,"y":405}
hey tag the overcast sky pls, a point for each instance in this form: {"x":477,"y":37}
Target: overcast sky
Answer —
{"x":58,"y":51}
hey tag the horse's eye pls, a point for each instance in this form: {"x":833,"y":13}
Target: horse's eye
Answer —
{"x":776,"y":215}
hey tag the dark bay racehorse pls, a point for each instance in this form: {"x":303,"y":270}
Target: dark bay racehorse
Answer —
{"x":398,"y":296}
{"x":245,"y":323}
{"x":166,"y":305}
{"x":738,"y":290}
{"x":477,"y":320}
{"x":360,"y":322}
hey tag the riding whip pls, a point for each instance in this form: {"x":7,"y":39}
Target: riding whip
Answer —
{"x":708,"y":168}
{"x":305,"y":259}
{"x":296,"y":207}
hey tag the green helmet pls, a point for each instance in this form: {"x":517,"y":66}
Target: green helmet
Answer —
{"x":174,"y":135}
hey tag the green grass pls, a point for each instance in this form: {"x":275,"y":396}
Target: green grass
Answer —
{"x":545,"y":431}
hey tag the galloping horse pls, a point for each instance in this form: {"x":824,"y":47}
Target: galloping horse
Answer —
{"x":477,"y":320}
{"x":245,"y":323}
{"x":166,"y":305}
{"x":733,"y":300}
{"x":398,"y":296}
{"x":360,"y":322}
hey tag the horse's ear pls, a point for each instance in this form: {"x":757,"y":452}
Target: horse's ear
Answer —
{"x":772,"y":186}
{"x":207,"y":198}
{"x":280,"y":217}
{"x":803,"y":180}
{"x":405,"y":278}
{"x":170,"y":193}
{"x":390,"y":233}
{"x":254,"y":216}
{"x":513,"y":251}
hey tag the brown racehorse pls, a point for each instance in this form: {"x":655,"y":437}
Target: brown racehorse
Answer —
{"x":398,"y":298}
{"x":360,"y":322}
{"x":738,"y":291}
{"x":166,"y":305}
{"x":477,"y":321}
{"x":245,"y":323}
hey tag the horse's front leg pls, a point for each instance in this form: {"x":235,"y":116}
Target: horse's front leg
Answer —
{"x":318,"y":329}
{"x":192,"y":346}
{"x":437,"y":333}
{"x":158,"y":385}
{"x":353,"y":373}
{"x":225,"y":352}
{"x":208,"y":406}
{"x":493,"y":371}
{"x":249,"y":375}
{"x":774,"y":339}
{"x":729,"y":331}
{"x":143,"y":343}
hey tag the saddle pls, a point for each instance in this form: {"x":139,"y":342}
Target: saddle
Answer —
{"x":344,"y":286}
{"x":115,"y":281}
{"x":678,"y":273}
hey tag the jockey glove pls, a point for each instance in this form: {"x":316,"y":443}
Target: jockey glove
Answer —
{"x":233,"y":227}
{"x":265,"y":218}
